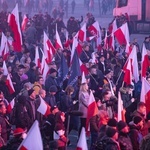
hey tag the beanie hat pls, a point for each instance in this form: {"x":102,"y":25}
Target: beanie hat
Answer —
{"x":18,"y":131}
{"x":137,"y":119}
{"x":107,"y":71}
{"x":121,"y":125}
{"x":30,"y":92}
{"x":52,"y":70}
{"x":110,"y":132}
{"x":112,"y":122}
{"x":54,"y":107}
{"x":53,"y":88}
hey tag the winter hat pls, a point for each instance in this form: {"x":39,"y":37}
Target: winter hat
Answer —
{"x":53,"y":88}
{"x":121,"y":125}
{"x":54,"y":107}
{"x":107,"y":71}
{"x":110,"y":132}
{"x":18,"y":131}
{"x":112,"y":122}
{"x":32,"y":64}
{"x":137,"y":119}
{"x":52,"y":70}
{"x":30,"y":92}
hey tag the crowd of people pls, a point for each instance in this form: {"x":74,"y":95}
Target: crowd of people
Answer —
{"x":104,"y":79}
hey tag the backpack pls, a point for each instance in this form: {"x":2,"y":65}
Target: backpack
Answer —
{"x":100,"y":144}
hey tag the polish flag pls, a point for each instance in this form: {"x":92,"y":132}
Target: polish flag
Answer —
{"x":114,"y":26}
{"x":9,"y":84}
{"x":5,"y":69}
{"x":94,"y":29}
{"x":48,"y":48}
{"x":145,"y":94}
{"x":106,"y":40}
{"x":13,"y":21}
{"x":134,"y":64}
{"x":120,"y":108}
{"x":83,"y":78}
{"x":122,"y":34}
{"x":145,"y":62}
{"x":128,"y":73}
{"x":4,"y":49}
{"x":111,"y":43}
{"x":11,"y":106}
{"x":58,"y":44}
{"x":83,"y":68}
{"x":34,"y":133}
{"x":90,"y":38}
{"x":92,"y":109}
{"x":82,"y":144}
{"x":43,"y":108}
{"x":128,"y":49}
{"x":37,"y":58}
{"x":24,"y":23}
{"x":82,"y":33}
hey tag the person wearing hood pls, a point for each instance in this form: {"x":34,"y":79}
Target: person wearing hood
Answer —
{"x":135,"y":132}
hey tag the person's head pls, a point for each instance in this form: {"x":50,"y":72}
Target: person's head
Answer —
{"x":32,"y":94}
{"x":86,"y":46}
{"x":53,"y":90}
{"x":108,"y":73}
{"x":32,"y":66}
{"x":112,"y":133}
{"x":20,"y":71}
{"x":112,"y":123}
{"x":93,"y":70}
{"x":69,"y":90}
{"x":54,"y":110}
{"x":27,"y":86}
{"x":122,"y":127}
{"x":53,"y":72}
{"x":141,"y":107}
{"x":19,"y":133}
{"x":84,"y":87}
{"x":1,"y":95}
{"x":98,"y":102}
{"x":42,"y":93}
{"x":106,"y":94}
{"x":138,"y":121}
{"x":40,"y":80}
{"x":102,"y":58}
{"x":2,"y":108}
{"x":129,"y":89}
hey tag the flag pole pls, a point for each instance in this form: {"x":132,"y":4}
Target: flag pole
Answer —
{"x":119,"y":77}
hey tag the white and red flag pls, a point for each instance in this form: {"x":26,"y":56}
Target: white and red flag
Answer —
{"x":120,"y":108}
{"x":11,"y":106}
{"x":33,"y":134}
{"x":82,"y":33}
{"x":10,"y":84}
{"x":37,"y":58}
{"x":92,"y":109}
{"x":43,"y":108}
{"x":145,"y":94}
{"x":122,"y":34}
{"x":48,"y":48}
{"x":5,"y":70}
{"x":94,"y":29}
{"x":4,"y":49}
{"x":24,"y":23}
{"x":83,"y":68}
{"x":58,"y":44}
{"x":145,"y":62}
{"x":13,"y":21}
{"x":82,"y":143}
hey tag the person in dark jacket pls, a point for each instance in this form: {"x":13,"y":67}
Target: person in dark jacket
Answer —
{"x":50,"y":97}
{"x":123,"y":137}
{"x":135,"y":132}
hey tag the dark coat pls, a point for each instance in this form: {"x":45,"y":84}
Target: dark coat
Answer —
{"x":124,"y":141}
{"x":32,"y":75}
{"x":85,"y":56}
{"x":51,"y":100}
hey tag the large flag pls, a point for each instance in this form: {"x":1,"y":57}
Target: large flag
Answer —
{"x":82,"y":144}
{"x":33,"y":134}
{"x":128,"y":73}
{"x":10,"y":84}
{"x":58,"y":44}
{"x":82,"y":33}
{"x":120,"y":108}
{"x":11,"y":106}
{"x":75,"y":71}
{"x":145,"y":94}
{"x":4,"y":49}
{"x":92,"y":109}
{"x":63,"y":70}
{"x":94,"y":29}
{"x":145,"y":61}
{"x":5,"y":70}
{"x":83,"y":68}
{"x":134,"y":64}
{"x":48,"y":49}
{"x":37,"y":58}
{"x":24,"y":23}
{"x":122,"y":34}
{"x":13,"y":21}
{"x":43,"y":108}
